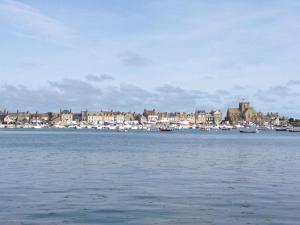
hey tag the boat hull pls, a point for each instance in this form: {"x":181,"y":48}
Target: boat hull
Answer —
{"x":165,"y":129}
{"x":249,"y":131}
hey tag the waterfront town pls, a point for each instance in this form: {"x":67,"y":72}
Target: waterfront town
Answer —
{"x":242,"y":116}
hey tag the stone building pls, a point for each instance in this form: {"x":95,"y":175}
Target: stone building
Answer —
{"x":176,"y":117}
{"x":18,"y":117}
{"x":151,"y":115}
{"x":217,"y":117}
{"x":92,"y":117}
{"x":201,"y":117}
{"x":66,"y":116}
{"x":77,"y":117}
{"x":40,"y":118}
{"x":54,"y":117}
{"x":163,"y":117}
{"x":130,"y":117}
{"x":244,"y":113}
{"x":108,"y":117}
{"x":119,"y":117}
{"x":190,"y":117}
{"x":267,"y":119}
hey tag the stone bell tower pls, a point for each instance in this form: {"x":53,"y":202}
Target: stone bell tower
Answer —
{"x":243,"y":106}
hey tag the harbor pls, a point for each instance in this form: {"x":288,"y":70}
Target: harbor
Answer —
{"x":244,"y":118}
{"x":162,"y":112}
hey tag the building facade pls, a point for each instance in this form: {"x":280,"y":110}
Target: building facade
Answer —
{"x":244,"y":113}
{"x":66,"y":116}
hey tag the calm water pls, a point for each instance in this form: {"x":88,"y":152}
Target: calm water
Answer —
{"x":95,"y":177}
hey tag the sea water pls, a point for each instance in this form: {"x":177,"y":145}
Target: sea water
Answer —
{"x":183,"y":177}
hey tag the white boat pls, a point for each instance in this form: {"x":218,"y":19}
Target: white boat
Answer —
{"x":112,"y":127}
{"x":215,"y":128}
{"x":121,"y":129}
{"x":205,"y":128}
{"x":2,"y":126}
{"x":295,"y":129}
{"x":249,"y":130}
{"x":193,"y":126}
{"x":281,"y":128}
{"x":226,"y":128}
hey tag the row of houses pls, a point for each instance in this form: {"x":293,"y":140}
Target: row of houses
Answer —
{"x":66,"y":117}
{"x":198,"y":117}
{"x":150,"y":116}
{"x":244,"y":113}
{"x":26,"y":117}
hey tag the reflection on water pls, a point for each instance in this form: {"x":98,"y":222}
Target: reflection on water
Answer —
{"x":187,"y":177}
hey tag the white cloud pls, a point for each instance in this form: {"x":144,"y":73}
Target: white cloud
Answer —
{"x":81,"y":94}
{"x":33,"y":23}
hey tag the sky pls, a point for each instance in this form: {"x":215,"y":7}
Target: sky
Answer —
{"x":171,"y":55}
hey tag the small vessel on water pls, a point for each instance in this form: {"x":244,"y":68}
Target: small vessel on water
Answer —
{"x":295,"y":129}
{"x":249,"y":130}
{"x":205,"y":129}
{"x":226,"y":128}
{"x":37,"y":126}
{"x":165,"y":129}
{"x":121,"y":129}
{"x":281,"y":129}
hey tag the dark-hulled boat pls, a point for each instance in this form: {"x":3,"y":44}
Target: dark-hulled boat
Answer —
{"x":165,"y":129}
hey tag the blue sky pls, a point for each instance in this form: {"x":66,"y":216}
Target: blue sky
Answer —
{"x":171,"y":55}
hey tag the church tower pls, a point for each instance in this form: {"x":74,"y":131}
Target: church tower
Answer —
{"x":243,"y":106}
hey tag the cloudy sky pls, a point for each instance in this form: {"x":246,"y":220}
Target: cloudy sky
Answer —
{"x":177,"y":55}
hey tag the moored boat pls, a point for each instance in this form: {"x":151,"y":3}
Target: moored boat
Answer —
{"x":281,"y":129}
{"x":165,"y":129}
{"x":226,"y":128}
{"x":295,"y":129}
{"x":249,"y":130}
{"x":205,"y":129}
